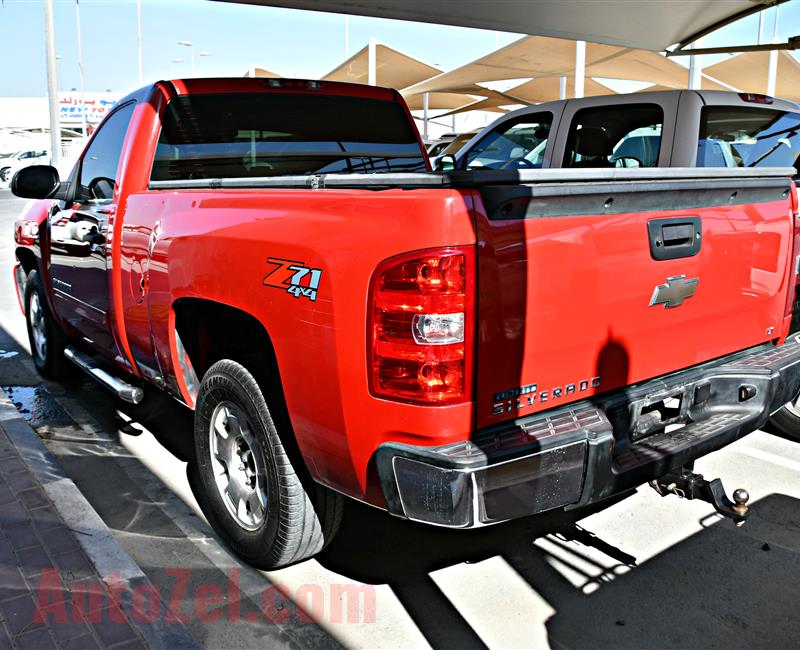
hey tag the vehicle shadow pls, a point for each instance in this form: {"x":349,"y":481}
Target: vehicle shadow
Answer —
{"x":699,"y":592}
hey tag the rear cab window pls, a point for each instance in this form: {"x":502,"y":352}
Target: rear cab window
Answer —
{"x":516,"y":144}
{"x":615,"y":136}
{"x":241,"y":135}
{"x":740,"y":136}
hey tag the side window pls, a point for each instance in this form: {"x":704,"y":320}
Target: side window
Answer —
{"x":98,"y":176}
{"x":615,"y":136}
{"x":26,"y":155}
{"x":516,"y":144}
{"x":735,"y":136}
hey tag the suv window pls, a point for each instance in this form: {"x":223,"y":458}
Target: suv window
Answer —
{"x":615,"y":136}
{"x":748,"y":137}
{"x":98,"y":176}
{"x":515,"y":144}
{"x":239,"y":135}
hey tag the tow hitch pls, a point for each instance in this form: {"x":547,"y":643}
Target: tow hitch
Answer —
{"x":688,"y":485}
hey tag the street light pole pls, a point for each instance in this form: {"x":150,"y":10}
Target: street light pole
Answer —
{"x":191,"y":51}
{"x":80,"y":64}
{"x":139,"y":40}
{"x":52,"y":83}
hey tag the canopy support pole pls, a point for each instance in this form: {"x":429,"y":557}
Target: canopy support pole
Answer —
{"x":372,"y":61}
{"x":695,"y":69}
{"x":772,"y":71}
{"x":52,"y":83}
{"x":580,"y":67}
{"x":425,"y":116}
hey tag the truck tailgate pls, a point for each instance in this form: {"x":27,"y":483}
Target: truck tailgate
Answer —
{"x":589,"y":286}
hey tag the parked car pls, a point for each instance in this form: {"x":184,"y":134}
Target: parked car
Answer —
{"x":459,"y":349}
{"x":11,"y":163}
{"x":680,"y":128}
{"x":437,"y":146}
{"x":711,"y":129}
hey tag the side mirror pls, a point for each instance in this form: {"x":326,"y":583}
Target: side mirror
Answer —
{"x":446,"y":163}
{"x":35,"y":182}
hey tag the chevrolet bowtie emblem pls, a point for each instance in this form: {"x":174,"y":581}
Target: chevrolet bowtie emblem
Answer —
{"x":674,"y":292}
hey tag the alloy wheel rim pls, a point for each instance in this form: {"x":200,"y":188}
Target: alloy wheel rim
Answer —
{"x":237,"y":461}
{"x":794,"y":406}
{"x":36,"y":317}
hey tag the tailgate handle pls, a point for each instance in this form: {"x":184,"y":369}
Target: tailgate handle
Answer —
{"x":675,"y":237}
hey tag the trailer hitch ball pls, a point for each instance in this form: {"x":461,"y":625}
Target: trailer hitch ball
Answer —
{"x":740,"y":499}
{"x":686,"y":484}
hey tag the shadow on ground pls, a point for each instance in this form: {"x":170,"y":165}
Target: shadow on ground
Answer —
{"x":701,"y":592}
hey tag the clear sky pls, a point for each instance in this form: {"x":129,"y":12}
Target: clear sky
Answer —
{"x":288,"y":42}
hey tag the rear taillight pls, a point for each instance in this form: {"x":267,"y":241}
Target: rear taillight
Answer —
{"x":420,"y":326}
{"x":794,"y":271}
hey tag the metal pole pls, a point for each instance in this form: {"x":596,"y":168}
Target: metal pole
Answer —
{"x":372,"y":61}
{"x":139,"y":40}
{"x":80,"y":65}
{"x":580,"y":67}
{"x":52,"y":83}
{"x":772,"y":72}
{"x":562,"y":88}
{"x":695,"y":69}
{"x":425,"y":116}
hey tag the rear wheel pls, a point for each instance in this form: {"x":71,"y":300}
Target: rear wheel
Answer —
{"x":46,"y":339}
{"x":253,"y":494}
{"x":787,"y":419}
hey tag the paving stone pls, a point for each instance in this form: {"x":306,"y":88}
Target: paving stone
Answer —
{"x":60,"y":540}
{"x":45,"y":519}
{"x":74,"y":627}
{"x":12,"y":514}
{"x":38,"y":639}
{"x":33,"y":560}
{"x":22,"y":535}
{"x":83,"y":643}
{"x":111,"y":630}
{"x":20,"y":481}
{"x":73,"y":565}
{"x":19,"y":614}
{"x":33,"y":498}
{"x":12,"y":584}
{"x":7,"y":557}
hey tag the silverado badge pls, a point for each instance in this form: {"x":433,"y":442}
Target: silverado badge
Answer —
{"x":674,"y":291}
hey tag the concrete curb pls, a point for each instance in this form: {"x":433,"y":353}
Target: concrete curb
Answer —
{"x":111,"y":561}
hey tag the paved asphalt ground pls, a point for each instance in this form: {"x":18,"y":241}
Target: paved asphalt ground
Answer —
{"x":643,"y":572}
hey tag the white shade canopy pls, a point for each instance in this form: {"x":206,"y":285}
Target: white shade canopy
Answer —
{"x":393,"y":69}
{"x":646,"y":24}
{"x":749,"y":72}
{"x":539,"y":56}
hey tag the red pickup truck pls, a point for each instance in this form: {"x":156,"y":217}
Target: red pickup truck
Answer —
{"x":458,"y":348}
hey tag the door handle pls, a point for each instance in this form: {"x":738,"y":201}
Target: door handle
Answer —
{"x":675,"y":237}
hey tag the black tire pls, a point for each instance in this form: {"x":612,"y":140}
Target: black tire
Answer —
{"x":787,"y":421}
{"x":300,"y":517}
{"x":46,"y":339}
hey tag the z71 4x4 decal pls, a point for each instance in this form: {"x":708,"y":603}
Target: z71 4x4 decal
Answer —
{"x":294,"y":278}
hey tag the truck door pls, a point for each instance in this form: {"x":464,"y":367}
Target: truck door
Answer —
{"x":78,"y":236}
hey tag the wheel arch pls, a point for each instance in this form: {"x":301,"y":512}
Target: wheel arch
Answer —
{"x":209,"y":331}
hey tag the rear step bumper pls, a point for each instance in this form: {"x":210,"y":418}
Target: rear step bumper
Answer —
{"x":589,"y":450}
